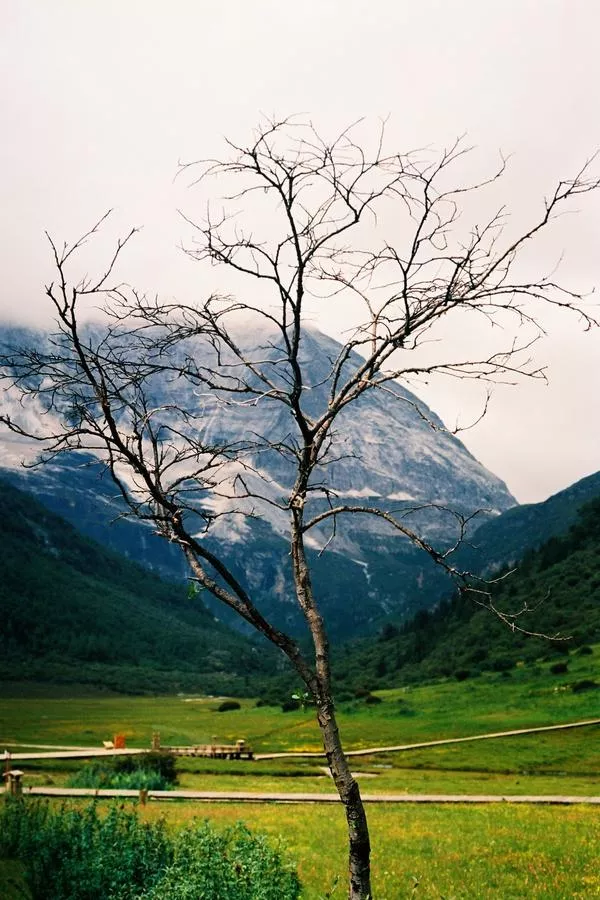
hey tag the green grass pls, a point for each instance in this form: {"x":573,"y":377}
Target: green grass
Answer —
{"x":434,"y":851}
{"x":530,"y":697}
{"x":376,"y":775}
{"x":549,"y":763}
{"x":429,"y":852}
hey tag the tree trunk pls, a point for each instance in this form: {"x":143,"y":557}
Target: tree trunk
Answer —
{"x":359,"y":853}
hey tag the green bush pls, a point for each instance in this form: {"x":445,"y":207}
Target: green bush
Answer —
{"x":228,"y":706}
{"x":152,"y":772}
{"x":559,"y":668}
{"x":558,"y":648}
{"x":229,"y":865}
{"x":502,"y":664}
{"x":361,"y":692}
{"x":98,"y":776}
{"x":74,"y":854}
{"x":587,"y":684}
{"x":163,"y":764}
{"x":404,"y":709}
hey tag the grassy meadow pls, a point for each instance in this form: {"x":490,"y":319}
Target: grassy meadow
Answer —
{"x":419,"y":851}
{"x":529,"y":696}
{"x":435,"y":852}
{"x":432,"y":851}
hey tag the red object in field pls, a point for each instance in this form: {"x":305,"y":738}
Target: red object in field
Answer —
{"x":119,"y":742}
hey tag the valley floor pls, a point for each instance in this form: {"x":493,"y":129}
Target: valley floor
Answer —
{"x":492,"y":850}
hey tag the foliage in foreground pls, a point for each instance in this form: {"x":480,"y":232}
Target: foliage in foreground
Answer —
{"x":231,"y":865}
{"x":76,"y":854}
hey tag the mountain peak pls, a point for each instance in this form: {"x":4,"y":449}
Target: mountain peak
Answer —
{"x":391,"y":452}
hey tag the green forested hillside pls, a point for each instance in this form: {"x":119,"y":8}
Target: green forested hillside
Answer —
{"x":71,"y":611}
{"x":503,"y":540}
{"x":557,"y":585}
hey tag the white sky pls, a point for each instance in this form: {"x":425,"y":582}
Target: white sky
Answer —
{"x":101,"y":98}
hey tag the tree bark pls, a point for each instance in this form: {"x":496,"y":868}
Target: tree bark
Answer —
{"x":359,"y":851}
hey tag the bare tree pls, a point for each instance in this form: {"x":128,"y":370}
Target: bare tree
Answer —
{"x":340,"y":224}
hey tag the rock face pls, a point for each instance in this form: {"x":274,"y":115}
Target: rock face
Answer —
{"x":390,"y":452}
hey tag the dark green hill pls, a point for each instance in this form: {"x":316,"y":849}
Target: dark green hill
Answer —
{"x":71,"y":611}
{"x":559,"y":585}
{"x":505,"y":539}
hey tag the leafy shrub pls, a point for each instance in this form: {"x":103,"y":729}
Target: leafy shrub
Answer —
{"x":290,"y":705}
{"x":502,"y":664}
{"x":164,"y":764}
{"x":388,"y":632}
{"x":97,"y":775}
{"x":361,"y":692}
{"x":404,"y":709}
{"x":559,"y":668}
{"x":559,"y":648}
{"x":229,"y":865}
{"x":585,"y":685}
{"x":228,"y":706}
{"x":152,"y":772}
{"x":73,"y":854}
{"x":462,"y":674}
{"x":585,"y":651}
{"x":478,"y":655}
{"x":343,"y":695}
{"x":372,"y":699}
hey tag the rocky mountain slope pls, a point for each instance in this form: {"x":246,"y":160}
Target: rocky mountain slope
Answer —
{"x":395,"y":454}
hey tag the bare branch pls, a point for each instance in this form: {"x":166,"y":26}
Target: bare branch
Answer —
{"x":158,"y":392}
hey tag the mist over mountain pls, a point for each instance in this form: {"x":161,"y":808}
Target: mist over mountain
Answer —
{"x":390,"y":451}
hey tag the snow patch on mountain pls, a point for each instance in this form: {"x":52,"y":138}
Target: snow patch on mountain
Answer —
{"x":358,"y":494}
{"x":401,"y":496}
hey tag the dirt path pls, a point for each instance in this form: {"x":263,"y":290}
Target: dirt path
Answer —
{"x":259,"y":797}
{"x":81,"y":753}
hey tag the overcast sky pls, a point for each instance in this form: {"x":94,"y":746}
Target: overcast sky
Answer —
{"x":102,"y":98}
